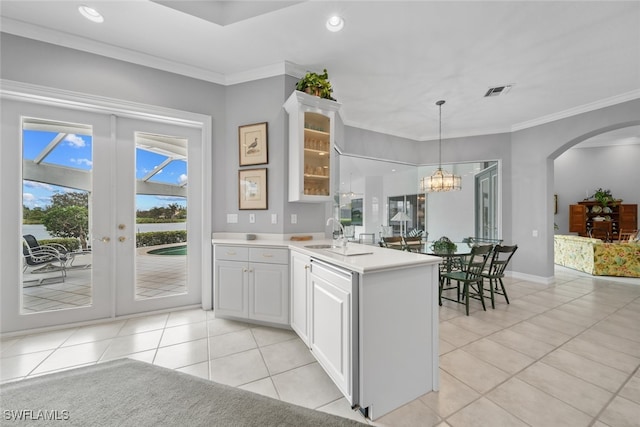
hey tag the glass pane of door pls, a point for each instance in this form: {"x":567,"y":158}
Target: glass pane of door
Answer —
{"x":57,"y":186}
{"x":161,"y":215}
{"x":316,"y":154}
{"x":487,"y":203}
{"x":157,"y":267}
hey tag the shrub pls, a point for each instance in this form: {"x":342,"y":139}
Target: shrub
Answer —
{"x":154,"y":238}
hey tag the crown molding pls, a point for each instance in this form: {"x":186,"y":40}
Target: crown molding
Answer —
{"x":427,"y":138}
{"x":279,"y":69}
{"x":71,"y":41}
{"x":45,"y":35}
{"x":607,"y":102}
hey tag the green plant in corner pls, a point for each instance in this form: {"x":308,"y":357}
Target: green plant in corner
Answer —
{"x":316,"y":84}
{"x":604,"y":197}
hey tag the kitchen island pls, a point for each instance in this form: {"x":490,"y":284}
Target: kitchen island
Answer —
{"x":369,"y":315}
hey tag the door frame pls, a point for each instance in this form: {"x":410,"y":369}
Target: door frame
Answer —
{"x":492,"y":175}
{"x":9,"y":256}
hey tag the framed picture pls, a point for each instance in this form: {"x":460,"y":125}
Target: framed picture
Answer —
{"x":252,"y":142}
{"x":252,"y":188}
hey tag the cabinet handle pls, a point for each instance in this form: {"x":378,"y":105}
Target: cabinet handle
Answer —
{"x":244,"y":270}
{"x":231,"y":252}
{"x":306,"y":267}
{"x":267,"y":255}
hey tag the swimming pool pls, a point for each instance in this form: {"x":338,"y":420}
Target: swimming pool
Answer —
{"x":170,"y":250}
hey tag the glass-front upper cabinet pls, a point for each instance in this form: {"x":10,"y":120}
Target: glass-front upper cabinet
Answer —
{"x":311,"y":139}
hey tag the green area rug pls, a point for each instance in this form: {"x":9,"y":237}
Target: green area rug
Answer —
{"x":131,"y":393}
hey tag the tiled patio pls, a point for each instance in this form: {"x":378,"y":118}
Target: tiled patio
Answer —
{"x":157,"y":276}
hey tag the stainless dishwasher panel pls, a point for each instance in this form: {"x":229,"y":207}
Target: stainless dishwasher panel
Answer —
{"x":347,"y":281}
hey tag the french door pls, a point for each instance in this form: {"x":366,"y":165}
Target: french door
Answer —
{"x":80,"y":178}
{"x":487,"y":220}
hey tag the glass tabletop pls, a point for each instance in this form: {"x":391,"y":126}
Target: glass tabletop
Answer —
{"x":462,"y":248}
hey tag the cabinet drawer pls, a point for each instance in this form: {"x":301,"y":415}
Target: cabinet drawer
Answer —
{"x":269,"y":255}
{"x":232,"y":253}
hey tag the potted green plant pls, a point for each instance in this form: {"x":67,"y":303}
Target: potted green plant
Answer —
{"x":604,"y":197}
{"x":443,"y":247}
{"x":316,"y":84}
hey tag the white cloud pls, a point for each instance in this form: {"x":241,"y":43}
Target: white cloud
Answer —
{"x":33,"y":184}
{"x":182,"y":179}
{"x":28,"y":197}
{"x":75,"y":140}
{"x":82,"y":162}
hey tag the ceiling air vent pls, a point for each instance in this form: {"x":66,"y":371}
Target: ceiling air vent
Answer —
{"x":498,"y":90}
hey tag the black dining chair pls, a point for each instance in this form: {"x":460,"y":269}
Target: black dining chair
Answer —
{"x":495,"y":271}
{"x":394,"y":242}
{"x":470,"y":277}
{"x":412,"y":244}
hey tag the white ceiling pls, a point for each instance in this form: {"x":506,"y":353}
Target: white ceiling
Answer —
{"x":392,"y":61}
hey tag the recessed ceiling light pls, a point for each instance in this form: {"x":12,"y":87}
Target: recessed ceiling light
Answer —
{"x":335,"y":23}
{"x":90,"y":13}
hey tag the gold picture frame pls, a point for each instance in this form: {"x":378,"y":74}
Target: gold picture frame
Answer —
{"x":252,"y":189}
{"x":252,"y":144}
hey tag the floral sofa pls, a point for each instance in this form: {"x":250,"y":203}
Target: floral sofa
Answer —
{"x":595,"y":257}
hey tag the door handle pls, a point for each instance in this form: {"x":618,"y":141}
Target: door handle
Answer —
{"x":105,"y":239}
{"x":122,"y":238}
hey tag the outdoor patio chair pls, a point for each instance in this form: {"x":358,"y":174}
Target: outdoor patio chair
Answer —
{"x":43,"y":258}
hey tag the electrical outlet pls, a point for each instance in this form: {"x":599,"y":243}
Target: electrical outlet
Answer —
{"x":252,"y":218}
{"x":232,"y":218}
{"x":274,"y":218}
{"x":294,"y":219}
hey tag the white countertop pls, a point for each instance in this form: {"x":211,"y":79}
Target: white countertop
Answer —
{"x":378,"y":259}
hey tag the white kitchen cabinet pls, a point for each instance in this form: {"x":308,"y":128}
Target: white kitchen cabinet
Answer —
{"x":251,"y":283}
{"x":332,"y":325}
{"x":299,"y":311}
{"x":311,"y":140}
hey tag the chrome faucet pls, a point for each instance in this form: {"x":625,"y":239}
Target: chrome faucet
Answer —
{"x":343,"y":239}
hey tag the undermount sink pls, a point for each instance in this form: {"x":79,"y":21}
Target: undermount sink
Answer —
{"x":349,"y":251}
{"x":340,"y":250}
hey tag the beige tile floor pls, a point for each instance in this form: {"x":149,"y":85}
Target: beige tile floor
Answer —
{"x":567,"y":354}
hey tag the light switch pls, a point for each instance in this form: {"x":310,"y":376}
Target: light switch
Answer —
{"x":252,"y":218}
{"x":534,"y":233}
{"x":294,"y":219}
{"x":232,"y":218}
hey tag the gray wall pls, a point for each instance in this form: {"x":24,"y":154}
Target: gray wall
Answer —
{"x":44,"y":64}
{"x":580,"y":171}
{"x":526,"y":156}
{"x":532,"y":179}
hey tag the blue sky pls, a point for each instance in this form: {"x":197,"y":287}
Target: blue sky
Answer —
{"x":76,"y":151}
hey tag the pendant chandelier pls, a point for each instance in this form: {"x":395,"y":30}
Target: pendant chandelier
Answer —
{"x":440,"y":180}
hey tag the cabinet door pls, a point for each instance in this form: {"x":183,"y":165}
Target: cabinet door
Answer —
{"x":578,"y":219}
{"x":628,"y":217}
{"x":330,"y":327}
{"x":311,"y":140}
{"x":300,"y":295}
{"x":269,"y":292}
{"x":231,"y":288}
